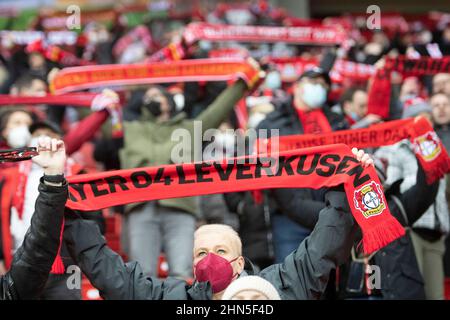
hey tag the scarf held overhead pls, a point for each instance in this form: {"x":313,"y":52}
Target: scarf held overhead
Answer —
{"x":315,"y":35}
{"x":317,"y":167}
{"x":427,"y":146}
{"x":80,"y":78}
{"x":380,"y":90}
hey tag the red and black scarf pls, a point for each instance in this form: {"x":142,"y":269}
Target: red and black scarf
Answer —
{"x":316,"y":167}
{"x":427,"y":146}
{"x":380,"y":90}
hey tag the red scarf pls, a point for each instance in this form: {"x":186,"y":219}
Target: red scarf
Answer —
{"x":314,"y":121}
{"x":79,"y":78}
{"x":315,"y":35}
{"x":428,"y":148}
{"x":83,"y":99}
{"x":380,"y":91}
{"x":317,"y":167}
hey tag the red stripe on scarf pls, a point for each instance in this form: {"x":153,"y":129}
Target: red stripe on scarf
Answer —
{"x":429,"y":149}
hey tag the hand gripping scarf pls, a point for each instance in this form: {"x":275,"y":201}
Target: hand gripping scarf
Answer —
{"x":317,"y":167}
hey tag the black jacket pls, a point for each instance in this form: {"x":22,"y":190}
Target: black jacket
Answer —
{"x":400,"y":274}
{"x":285,"y":119}
{"x":33,"y":261}
{"x":254,"y":227}
{"x":302,"y":275}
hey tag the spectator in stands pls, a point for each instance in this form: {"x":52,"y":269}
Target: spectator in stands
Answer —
{"x":429,"y":232}
{"x":305,"y":112}
{"x":14,"y":124}
{"x":22,"y":208}
{"x":440,"y":104}
{"x":33,"y":260}
{"x":354,"y":107}
{"x":441,"y":83}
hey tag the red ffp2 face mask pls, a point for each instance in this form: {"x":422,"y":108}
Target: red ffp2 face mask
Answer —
{"x":215,"y":269}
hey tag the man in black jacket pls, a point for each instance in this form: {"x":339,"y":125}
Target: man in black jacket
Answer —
{"x":33,"y":260}
{"x":305,"y":112}
{"x":218,"y":260}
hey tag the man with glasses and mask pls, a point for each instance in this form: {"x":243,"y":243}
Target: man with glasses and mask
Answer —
{"x":305,"y":112}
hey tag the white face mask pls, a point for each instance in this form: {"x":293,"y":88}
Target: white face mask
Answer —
{"x":18,"y":137}
{"x":314,"y":95}
{"x":273,"y":80}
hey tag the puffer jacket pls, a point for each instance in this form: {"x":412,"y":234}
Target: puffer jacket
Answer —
{"x":32,"y":262}
{"x":303,"y":274}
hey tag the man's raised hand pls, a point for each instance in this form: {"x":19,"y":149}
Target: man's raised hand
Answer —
{"x":52,"y":156}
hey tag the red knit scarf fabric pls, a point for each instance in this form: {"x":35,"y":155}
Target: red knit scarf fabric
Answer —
{"x":314,"y":121}
{"x":380,"y":90}
{"x":317,"y":167}
{"x":427,"y":146}
{"x":80,"y":78}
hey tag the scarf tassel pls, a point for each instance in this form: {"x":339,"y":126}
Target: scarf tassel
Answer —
{"x":58,"y":265}
{"x":381,"y":234}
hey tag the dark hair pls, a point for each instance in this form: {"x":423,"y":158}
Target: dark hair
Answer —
{"x":348,"y":95}
{"x":26,"y":80}
{"x":166,"y":94}
{"x":6,"y":114}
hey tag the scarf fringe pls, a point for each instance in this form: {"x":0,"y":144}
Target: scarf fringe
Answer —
{"x":439,"y":170}
{"x":383,"y":233}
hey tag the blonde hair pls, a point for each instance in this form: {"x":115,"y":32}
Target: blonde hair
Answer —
{"x":222,"y":228}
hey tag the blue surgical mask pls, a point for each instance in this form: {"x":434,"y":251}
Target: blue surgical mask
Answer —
{"x":354,"y":116}
{"x":273,"y":80}
{"x":314,"y":95}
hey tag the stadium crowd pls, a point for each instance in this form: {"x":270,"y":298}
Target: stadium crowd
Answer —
{"x":275,"y":243}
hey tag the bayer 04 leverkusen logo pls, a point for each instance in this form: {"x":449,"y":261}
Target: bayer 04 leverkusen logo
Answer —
{"x":428,"y":145}
{"x":369,"y":200}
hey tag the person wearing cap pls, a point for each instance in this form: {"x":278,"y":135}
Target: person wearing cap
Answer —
{"x":251,"y":288}
{"x":305,"y":112}
{"x":429,"y":232}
